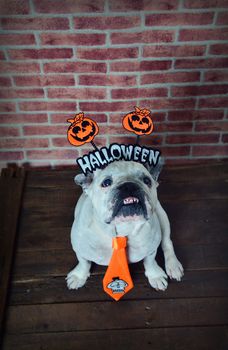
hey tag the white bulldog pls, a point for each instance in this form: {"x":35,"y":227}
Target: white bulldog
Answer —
{"x":122,"y":200}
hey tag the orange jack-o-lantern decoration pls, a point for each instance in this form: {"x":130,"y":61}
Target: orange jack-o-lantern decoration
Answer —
{"x":139,"y":121}
{"x":81,"y":130}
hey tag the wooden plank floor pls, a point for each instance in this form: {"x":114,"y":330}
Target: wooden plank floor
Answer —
{"x":193,"y":314}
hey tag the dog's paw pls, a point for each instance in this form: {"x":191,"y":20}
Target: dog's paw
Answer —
{"x":158,"y":279}
{"x":158,"y":283}
{"x":74,"y":281}
{"x":174,"y":269}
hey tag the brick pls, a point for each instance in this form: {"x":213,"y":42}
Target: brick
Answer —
{"x":138,"y":5}
{"x":195,"y":115}
{"x":155,"y":65}
{"x":82,"y":94}
{"x":21,"y":93}
{"x":123,"y":139}
{"x":197,"y":4}
{"x":213,"y":102}
{"x":196,"y":90}
{"x":203,"y":34}
{"x":11,"y":155}
{"x":2,"y":56}
{"x":153,"y":141}
{"x":72,"y":39}
{"x":106,"y":106}
{"x":219,"y":49}
{"x":149,"y":36}
{"x":222,"y":18}
{"x":174,"y":50}
{"x":8,"y":131}
{"x":217,"y":150}
{"x":20,"y":118}
{"x":60,"y":142}
{"x":19,"y":67}
{"x":75,"y":67}
{"x":201,"y":63}
{"x":115,"y":129}
{"x":35,"y":23}
{"x":44,"y":130}
{"x":12,"y":7}
{"x":216,"y":76}
{"x":68,"y":6}
{"x":24,"y":143}
{"x":61,"y":118}
{"x":173,"y":127}
{"x":132,"y":66}
{"x":178,"y":151}
{"x":47,"y":106}
{"x":36,"y":54}
{"x":174,"y":77}
{"x":138,"y":93}
{"x":107,"y":54}
{"x":107,"y":23}
{"x":63,"y":142}
{"x":108,"y":80}
{"x":125,"y":66}
{"x":192,"y":138}
{"x":17,"y":39}
{"x":169,"y":103}
{"x":212,"y":126}
{"x":45,"y":80}
{"x":183,"y":161}
{"x":179,"y":19}
{"x":7,"y":107}
{"x":225,"y":138}
{"x":52,"y":154}
{"x":5,"y":81}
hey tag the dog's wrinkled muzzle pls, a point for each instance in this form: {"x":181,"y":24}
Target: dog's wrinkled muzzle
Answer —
{"x":129,"y":201}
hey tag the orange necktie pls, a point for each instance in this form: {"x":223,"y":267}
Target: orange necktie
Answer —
{"x":117,"y":280}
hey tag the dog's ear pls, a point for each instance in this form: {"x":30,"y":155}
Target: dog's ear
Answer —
{"x":155,"y":171}
{"x":83,"y":180}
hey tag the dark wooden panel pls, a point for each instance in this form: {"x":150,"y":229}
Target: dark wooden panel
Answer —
{"x":190,"y":203}
{"x":54,"y":290}
{"x":11,"y":185}
{"x":188,"y":184}
{"x":60,"y":262}
{"x":193,"y":222}
{"x":178,"y":173}
{"x":191,"y":338}
{"x":117,"y":315}
{"x":189,"y":315}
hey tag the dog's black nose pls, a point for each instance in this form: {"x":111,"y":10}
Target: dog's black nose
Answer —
{"x":128,"y":188}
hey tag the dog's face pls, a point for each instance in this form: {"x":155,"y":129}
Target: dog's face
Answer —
{"x":123,"y":191}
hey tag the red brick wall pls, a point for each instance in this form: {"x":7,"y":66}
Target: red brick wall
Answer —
{"x":59,"y":57}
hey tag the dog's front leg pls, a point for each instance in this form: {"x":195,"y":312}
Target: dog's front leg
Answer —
{"x":78,"y":276}
{"x":156,"y":276}
{"x":173,"y":267}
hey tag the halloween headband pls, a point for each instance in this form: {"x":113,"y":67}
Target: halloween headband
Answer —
{"x":83,"y":130}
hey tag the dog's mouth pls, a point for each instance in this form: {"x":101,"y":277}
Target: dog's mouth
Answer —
{"x":129,"y":208}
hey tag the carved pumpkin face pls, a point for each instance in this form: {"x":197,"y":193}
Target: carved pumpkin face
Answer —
{"x":139,"y":122}
{"x":81,"y":130}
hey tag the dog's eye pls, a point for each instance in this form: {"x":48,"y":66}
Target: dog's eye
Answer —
{"x":147,"y":181}
{"x":107,"y":182}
